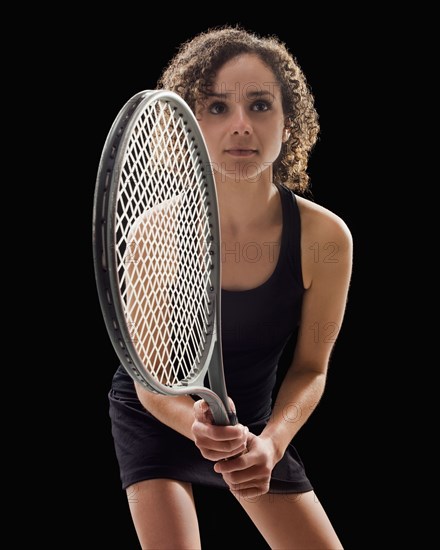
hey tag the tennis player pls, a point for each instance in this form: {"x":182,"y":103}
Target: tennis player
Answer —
{"x":257,"y":115}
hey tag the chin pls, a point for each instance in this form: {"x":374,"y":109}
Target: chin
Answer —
{"x":249,"y":171}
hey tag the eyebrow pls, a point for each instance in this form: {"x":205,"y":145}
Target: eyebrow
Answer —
{"x":252,"y":95}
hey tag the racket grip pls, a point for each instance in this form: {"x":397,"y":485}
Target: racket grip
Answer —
{"x":233,"y":419}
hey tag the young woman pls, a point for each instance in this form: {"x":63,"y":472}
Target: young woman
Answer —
{"x":257,"y":115}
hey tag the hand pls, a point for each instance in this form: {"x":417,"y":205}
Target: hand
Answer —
{"x":249,"y":474}
{"x":217,"y":442}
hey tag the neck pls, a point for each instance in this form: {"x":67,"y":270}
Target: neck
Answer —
{"x":245,"y":204}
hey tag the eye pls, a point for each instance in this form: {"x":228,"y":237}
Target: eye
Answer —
{"x":261,"y":106}
{"x":217,"y":108}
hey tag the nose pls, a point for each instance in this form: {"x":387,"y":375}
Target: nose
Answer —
{"x":240,"y":125}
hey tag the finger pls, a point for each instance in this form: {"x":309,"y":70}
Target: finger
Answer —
{"x":233,"y":464}
{"x":217,"y":456}
{"x":228,"y":448}
{"x":235,"y":435}
{"x":249,"y":492}
{"x":248,"y":477}
{"x":202,"y":412}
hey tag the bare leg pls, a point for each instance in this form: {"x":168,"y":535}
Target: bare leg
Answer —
{"x":291,"y":521}
{"x":164,"y":514}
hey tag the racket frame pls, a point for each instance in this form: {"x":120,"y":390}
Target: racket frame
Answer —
{"x":105,"y":261}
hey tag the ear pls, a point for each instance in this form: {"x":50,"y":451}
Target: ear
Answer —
{"x":286,"y":134}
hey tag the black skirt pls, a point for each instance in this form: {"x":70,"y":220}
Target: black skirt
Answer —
{"x":148,"y":449}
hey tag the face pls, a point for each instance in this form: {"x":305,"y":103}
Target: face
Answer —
{"x":242,"y":120}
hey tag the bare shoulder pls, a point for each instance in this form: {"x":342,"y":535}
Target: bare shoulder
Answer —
{"x":317,"y":222}
{"x":326,"y":241}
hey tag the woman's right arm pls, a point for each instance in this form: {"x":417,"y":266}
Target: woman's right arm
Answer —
{"x":193,"y":420}
{"x":176,"y":412}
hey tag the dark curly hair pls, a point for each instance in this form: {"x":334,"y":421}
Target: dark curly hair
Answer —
{"x":191,"y":72}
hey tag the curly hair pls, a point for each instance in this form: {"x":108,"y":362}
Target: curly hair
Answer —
{"x":191,"y":72}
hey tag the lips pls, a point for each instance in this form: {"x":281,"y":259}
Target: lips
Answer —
{"x":241,"y":152}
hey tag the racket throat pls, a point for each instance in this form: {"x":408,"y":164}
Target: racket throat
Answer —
{"x":218,"y":386}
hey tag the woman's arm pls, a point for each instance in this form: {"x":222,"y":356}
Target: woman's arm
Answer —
{"x":177,"y":412}
{"x":327,"y":265}
{"x":194,"y":420}
{"x":326,"y":279}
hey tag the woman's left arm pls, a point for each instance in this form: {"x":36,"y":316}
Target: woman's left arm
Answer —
{"x":327,"y":265}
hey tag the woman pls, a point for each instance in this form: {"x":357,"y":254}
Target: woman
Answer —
{"x":257,"y":115}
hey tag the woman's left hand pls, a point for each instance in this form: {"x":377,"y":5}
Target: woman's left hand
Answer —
{"x":249,"y":474}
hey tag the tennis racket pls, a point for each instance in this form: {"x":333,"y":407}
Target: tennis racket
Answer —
{"x":156,"y":248}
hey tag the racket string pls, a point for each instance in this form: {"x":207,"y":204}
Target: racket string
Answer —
{"x":164,"y":246}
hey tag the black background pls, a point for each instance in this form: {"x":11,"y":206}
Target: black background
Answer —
{"x":110,"y":61}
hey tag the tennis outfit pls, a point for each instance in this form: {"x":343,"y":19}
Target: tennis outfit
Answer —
{"x":256,"y":326}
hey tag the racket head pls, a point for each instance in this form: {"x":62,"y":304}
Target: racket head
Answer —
{"x":155,"y":172}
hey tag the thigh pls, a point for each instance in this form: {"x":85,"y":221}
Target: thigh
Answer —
{"x":291,"y":521}
{"x":164,"y":514}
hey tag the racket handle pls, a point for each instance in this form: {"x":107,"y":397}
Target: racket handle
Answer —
{"x":220,"y":413}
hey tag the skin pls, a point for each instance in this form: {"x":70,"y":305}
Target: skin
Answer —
{"x":244,"y":132}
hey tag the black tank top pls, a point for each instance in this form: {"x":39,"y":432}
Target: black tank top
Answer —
{"x":257,"y":326}
{"x":258,"y":323}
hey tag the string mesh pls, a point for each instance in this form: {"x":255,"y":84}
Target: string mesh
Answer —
{"x":163,"y":245}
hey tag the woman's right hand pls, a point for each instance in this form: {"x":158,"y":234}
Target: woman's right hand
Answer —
{"x":217,"y":442}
